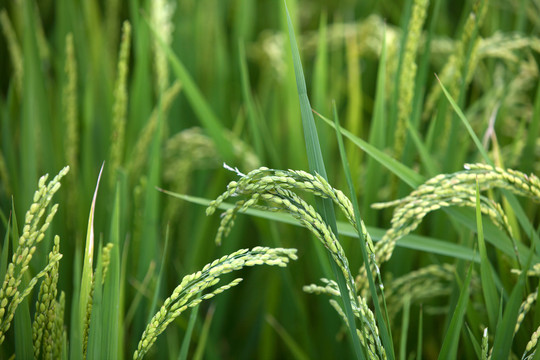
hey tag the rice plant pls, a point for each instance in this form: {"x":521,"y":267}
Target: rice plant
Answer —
{"x":390,"y":149}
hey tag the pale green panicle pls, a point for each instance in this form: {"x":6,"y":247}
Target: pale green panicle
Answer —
{"x":278,"y":189}
{"x":69,"y":102}
{"x":35,"y":225}
{"x":408,"y":73}
{"x":106,"y":256}
{"x":189,"y":292}
{"x":161,"y":15}
{"x":44,"y":317}
{"x":120,"y":103}
{"x":456,"y":189}
{"x":485,"y":345}
{"x":425,"y":283}
{"x":524,"y":309}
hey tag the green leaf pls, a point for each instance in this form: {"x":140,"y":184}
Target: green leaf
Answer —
{"x":384,"y":330}
{"x":504,"y":334}
{"x":87,"y":273}
{"x":295,"y":350}
{"x":406,"y":174}
{"x":410,"y":241}
{"x":316,"y":165}
{"x":451,"y":339}
{"x":488,"y":285}
{"x":111,"y":289}
{"x":189,"y":332}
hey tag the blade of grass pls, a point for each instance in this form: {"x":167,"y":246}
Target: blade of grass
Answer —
{"x":406,"y":174}
{"x":384,"y":329}
{"x":96,"y":316}
{"x":111,"y":290}
{"x":404,"y":328}
{"x":504,"y":334}
{"x":474,"y":342}
{"x":203,"y":338}
{"x":451,"y":339}
{"x":419,"y":344}
{"x":376,"y":138}
{"x":86,"y":278}
{"x":252,"y":114}
{"x":296,"y":351}
{"x":160,"y":276}
{"x":316,"y":165}
{"x":189,"y":332}
{"x":488,"y":285}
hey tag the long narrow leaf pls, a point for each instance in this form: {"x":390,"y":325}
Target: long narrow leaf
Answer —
{"x":87,"y":273}
{"x":383,"y":328}
{"x":316,"y":165}
{"x":450,"y":343}
{"x":488,"y":285}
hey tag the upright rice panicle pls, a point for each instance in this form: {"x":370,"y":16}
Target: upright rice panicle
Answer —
{"x":161,"y":15}
{"x":43,"y":327}
{"x":33,"y":233}
{"x":120,"y":103}
{"x":408,"y":72}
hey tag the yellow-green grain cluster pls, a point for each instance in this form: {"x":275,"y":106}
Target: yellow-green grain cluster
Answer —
{"x":37,"y":220}
{"x":456,"y":189}
{"x":426,"y":283}
{"x":276,"y":190}
{"x":525,"y":308}
{"x":45,"y":334}
{"x":106,"y":260}
{"x":189,"y":293}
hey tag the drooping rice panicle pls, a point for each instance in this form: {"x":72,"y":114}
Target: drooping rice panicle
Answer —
{"x":189,"y":293}
{"x":457,"y":189}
